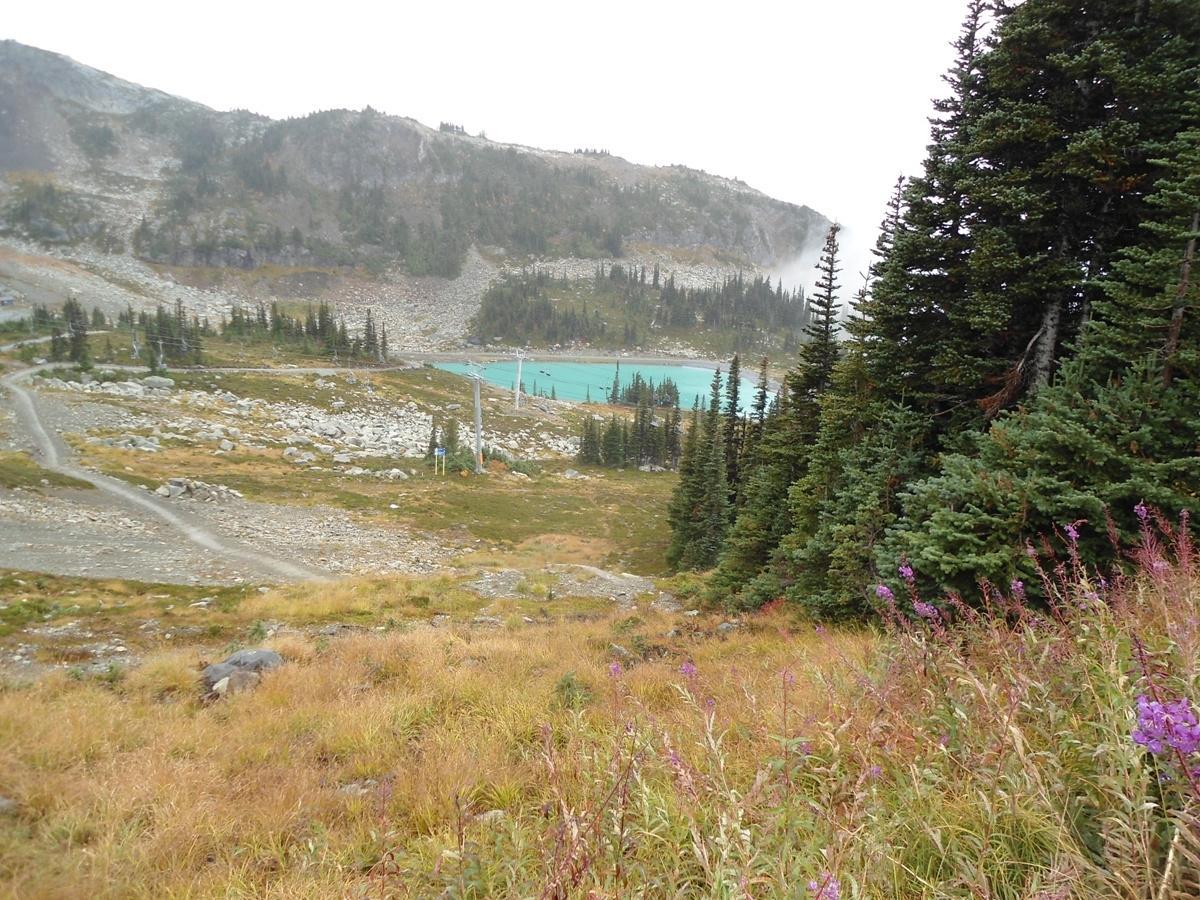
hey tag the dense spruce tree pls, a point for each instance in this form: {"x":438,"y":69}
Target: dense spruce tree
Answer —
{"x":714,"y":509}
{"x":699,"y":508}
{"x":1150,"y":305}
{"x":1074,"y":105}
{"x":450,"y":436}
{"x":820,"y":351}
{"x":867,"y":448}
{"x":733,"y":428}
{"x":781,"y":453}
{"x":77,"y":333}
{"x":686,"y":498}
{"x":370,"y":337}
{"x":1118,"y":426}
{"x":923,"y":272}
{"x":433,"y":439}
{"x":1026,"y":351}
{"x":58,"y":346}
{"x":753,"y":430}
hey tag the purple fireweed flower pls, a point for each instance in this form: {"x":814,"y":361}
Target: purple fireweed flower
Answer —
{"x":710,"y":704}
{"x":688,"y":669}
{"x":614,"y":669}
{"x":1018,"y":588}
{"x":1141,"y":511}
{"x":944,"y":740}
{"x":925,"y":610}
{"x":1071,"y":532}
{"x":875,"y":771}
{"x":1163,"y":726}
{"x":884,"y":593}
{"x":906,"y":572}
{"x":826,"y":888}
{"x":789,"y":677}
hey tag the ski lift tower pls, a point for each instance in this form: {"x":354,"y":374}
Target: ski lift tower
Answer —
{"x":517,"y":390}
{"x":476,"y":376}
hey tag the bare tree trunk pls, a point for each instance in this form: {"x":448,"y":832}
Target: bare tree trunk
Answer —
{"x":1043,"y":357}
{"x":1185,"y":286}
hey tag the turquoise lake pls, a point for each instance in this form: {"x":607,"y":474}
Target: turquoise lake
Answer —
{"x":579,"y":381}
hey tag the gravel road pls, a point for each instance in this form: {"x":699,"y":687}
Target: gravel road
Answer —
{"x":113,"y":496}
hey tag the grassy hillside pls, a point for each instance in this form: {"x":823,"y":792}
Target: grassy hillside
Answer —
{"x":620,"y":752}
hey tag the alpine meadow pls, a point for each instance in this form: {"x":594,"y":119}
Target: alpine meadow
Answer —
{"x":394,"y":511}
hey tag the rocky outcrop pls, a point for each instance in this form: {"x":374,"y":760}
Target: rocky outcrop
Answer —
{"x":189,"y":489}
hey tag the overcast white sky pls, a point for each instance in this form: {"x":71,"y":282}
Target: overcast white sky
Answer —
{"x":817,"y":103}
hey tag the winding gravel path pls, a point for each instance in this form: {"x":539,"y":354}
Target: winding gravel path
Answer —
{"x":54,"y":456}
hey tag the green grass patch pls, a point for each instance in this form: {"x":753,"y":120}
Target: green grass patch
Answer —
{"x":20,"y":470}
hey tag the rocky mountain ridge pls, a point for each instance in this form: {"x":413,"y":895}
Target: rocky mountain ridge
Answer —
{"x":89,"y":157}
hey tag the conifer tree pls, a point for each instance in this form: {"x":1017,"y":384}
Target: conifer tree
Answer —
{"x":1073,"y":110}
{"x":58,"y":347}
{"x":923,"y":271}
{"x":77,"y":337}
{"x":732,"y":427}
{"x":699,"y":511}
{"x":681,"y":511}
{"x":450,"y":436}
{"x":370,"y":337}
{"x":820,"y":352}
{"x":433,"y":440}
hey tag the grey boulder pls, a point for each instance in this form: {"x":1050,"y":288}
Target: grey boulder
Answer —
{"x":237,"y":681}
{"x":244,"y":662}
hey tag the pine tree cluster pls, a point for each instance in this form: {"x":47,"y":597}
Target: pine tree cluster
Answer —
{"x":320,"y":331}
{"x":1026,"y":354}
{"x":629,"y":302}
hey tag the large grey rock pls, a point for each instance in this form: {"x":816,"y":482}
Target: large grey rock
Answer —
{"x":215,"y":673}
{"x":159,"y":382}
{"x":244,"y":661}
{"x":236,"y":682}
{"x":255,"y":660}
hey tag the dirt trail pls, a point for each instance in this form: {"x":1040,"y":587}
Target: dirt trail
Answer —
{"x":54,"y":455}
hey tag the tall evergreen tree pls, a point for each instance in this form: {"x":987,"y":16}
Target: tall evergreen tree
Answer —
{"x":699,"y":510}
{"x":733,"y":427}
{"x":820,"y":352}
{"x":77,"y":333}
{"x":686,"y":498}
{"x":1074,"y":107}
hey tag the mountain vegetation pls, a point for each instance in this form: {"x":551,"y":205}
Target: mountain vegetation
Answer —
{"x":1022,"y":369}
{"x":90,"y":158}
{"x":624,"y":307}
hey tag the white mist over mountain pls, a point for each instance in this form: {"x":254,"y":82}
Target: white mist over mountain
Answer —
{"x":854,"y":258}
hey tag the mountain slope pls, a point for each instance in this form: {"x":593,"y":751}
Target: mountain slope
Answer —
{"x":87,"y":157}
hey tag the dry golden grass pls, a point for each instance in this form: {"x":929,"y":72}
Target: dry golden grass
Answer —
{"x":139,"y":789}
